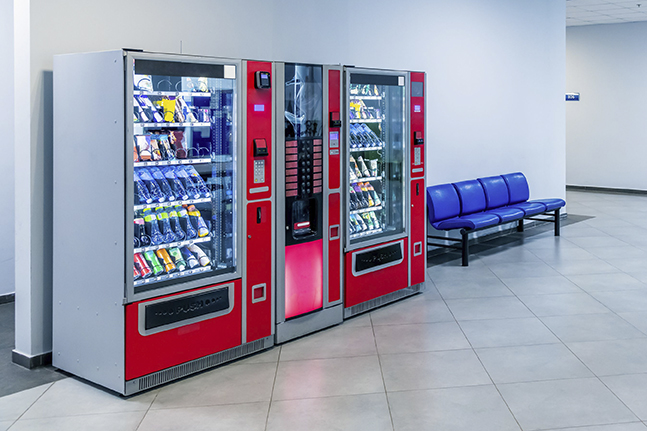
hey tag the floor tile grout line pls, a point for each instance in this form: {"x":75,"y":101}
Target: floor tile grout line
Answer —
{"x":276,"y":373}
{"x":148,"y":410}
{"x":379,"y":361}
{"x":32,"y":404}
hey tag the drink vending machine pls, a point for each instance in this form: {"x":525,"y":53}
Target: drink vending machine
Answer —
{"x":163,"y":227}
{"x":308,"y":157}
{"x":384,"y":211}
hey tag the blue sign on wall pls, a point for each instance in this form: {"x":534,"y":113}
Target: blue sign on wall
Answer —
{"x":572,"y":97}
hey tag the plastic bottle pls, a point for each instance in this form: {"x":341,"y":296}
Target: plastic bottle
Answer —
{"x":375,"y":222}
{"x":189,"y":258}
{"x":198,"y":221}
{"x":198,"y":181}
{"x":164,"y":186}
{"x":153,"y":189}
{"x":176,"y":185}
{"x":143,"y":196}
{"x":165,"y":225}
{"x":371,"y":202}
{"x":373,"y":193}
{"x":369,"y":221}
{"x":178,"y":260}
{"x":363,"y":200}
{"x":154,"y":263}
{"x":353,"y":201}
{"x":189,"y":186}
{"x":360,"y":221}
{"x":354,"y":168}
{"x":169,"y":266}
{"x":185,"y":220}
{"x":152,"y":227}
{"x":180,"y":235}
{"x":202,"y":256}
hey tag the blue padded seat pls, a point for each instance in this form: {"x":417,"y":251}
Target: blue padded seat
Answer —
{"x":551,"y":204}
{"x":469,"y":221}
{"x":507,"y":214}
{"x":517,"y":187}
{"x":530,"y":208}
{"x":471,"y":195}
{"x":496,"y":191}
{"x":444,"y":208}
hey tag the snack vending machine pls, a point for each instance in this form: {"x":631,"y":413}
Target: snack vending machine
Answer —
{"x":308,"y":240}
{"x":385,"y":253}
{"x":162,"y":215}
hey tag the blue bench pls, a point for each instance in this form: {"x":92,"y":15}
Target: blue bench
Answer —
{"x":479,"y":204}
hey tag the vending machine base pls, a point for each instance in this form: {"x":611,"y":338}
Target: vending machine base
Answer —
{"x":173,"y":373}
{"x":383,"y":300}
{"x":303,"y":325}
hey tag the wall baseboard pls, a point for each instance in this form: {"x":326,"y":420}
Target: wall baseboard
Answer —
{"x":9,"y":297}
{"x":607,"y":190}
{"x":31,"y":362}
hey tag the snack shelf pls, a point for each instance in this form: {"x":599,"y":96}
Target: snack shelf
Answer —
{"x":372,"y":148}
{"x":158,"y":125}
{"x":173,"y":162}
{"x":359,"y":97}
{"x":171,"y":93}
{"x":366,"y":120}
{"x":365,"y":210}
{"x":171,"y":203}
{"x":172,"y":275}
{"x":364,"y":179}
{"x":173,"y":244}
{"x":366,"y":233}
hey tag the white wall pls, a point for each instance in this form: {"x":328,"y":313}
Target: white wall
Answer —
{"x":606,"y":131}
{"x":7,"y":261}
{"x":495,"y":69}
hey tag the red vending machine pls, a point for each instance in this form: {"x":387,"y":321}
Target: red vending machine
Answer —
{"x":308,"y":157}
{"x":163,"y":227}
{"x":384,"y":199}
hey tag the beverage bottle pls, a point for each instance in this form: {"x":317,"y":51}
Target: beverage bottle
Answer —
{"x":152,"y":227}
{"x":154,"y":263}
{"x":198,"y":181}
{"x":140,"y":231}
{"x":353,"y":201}
{"x":369,"y":220}
{"x":142,"y":266}
{"x":189,"y":186}
{"x":353,"y":166}
{"x":355,"y":226}
{"x":176,"y":185}
{"x":189,"y":258}
{"x":155,"y":148}
{"x":178,"y":260}
{"x":164,"y":186}
{"x":363,"y":198}
{"x":165,"y":144}
{"x":202,"y":256}
{"x":361,"y":222}
{"x":371,"y":202}
{"x":373,"y":164}
{"x":375,"y":222}
{"x":196,"y":218}
{"x":372,"y":192}
{"x":153,"y":189}
{"x":362,"y":167}
{"x":185,"y":222}
{"x":175,"y":224}
{"x":351,"y":175}
{"x":169,"y":266}
{"x":165,"y":224}
{"x":143,"y":196}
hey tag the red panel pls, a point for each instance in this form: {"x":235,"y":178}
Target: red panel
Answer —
{"x":374,"y":284}
{"x":155,"y":352}
{"x":259,"y":269}
{"x":418,"y":125}
{"x":418,"y":239}
{"x":334,"y":249}
{"x":334,"y":105}
{"x":303,"y":278}
{"x":259,"y":126}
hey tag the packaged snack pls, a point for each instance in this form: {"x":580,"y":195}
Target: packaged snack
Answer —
{"x":363,"y":168}
{"x":353,"y":166}
{"x":165,"y":147}
{"x":178,"y":144}
{"x":376,"y":223}
{"x":142,"y":142}
{"x":373,"y":193}
{"x":169,"y":110}
{"x":155,"y":149}
{"x":374,"y":171}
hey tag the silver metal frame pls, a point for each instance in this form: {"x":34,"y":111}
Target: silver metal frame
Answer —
{"x":380,"y":267}
{"x":130,"y":295}
{"x":346,"y":160}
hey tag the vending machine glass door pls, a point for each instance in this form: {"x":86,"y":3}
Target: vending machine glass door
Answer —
{"x":376,"y":143}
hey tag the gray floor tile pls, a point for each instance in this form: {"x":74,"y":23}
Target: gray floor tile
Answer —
{"x":267,"y":356}
{"x":564,"y":403}
{"x":355,"y":412}
{"x":563,"y":304}
{"x":636,"y":264}
{"x":95,"y":422}
{"x":447,"y":272}
{"x":328,"y":377}
{"x":541,"y":285}
{"x":623,"y":252}
{"x":507,"y":332}
{"x":359,"y":321}
{"x":632,"y":390}
{"x":640,"y":275}
{"x":238,"y":384}
{"x":424,"y":337}
{"x":70,"y":397}
{"x":455,"y":409}
{"x":431,"y":293}
{"x":478,"y":288}
{"x":412,"y":310}
{"x":636,"y":318}
{"x":250,"y":417}
{"x":340,"y":341}
{"x":547,"y":242}
{"x":522,"y":269}
{"x":488,"y":308}
{"x":634,"y":426}
{"x":582,"y":231}
{"x":624,"y":301}
{"x":507,"y":254}
{"x":431,"y":370}
{"x":4,"y":425}
{"x":567,"y":254}
{"x":607,"y":358}
{"x":595,"y":242}
{"x":591,"y":327}
{"x":14,"y":405}
{"x":591,"y":266}
{"x":606,"y":282}
{"x":532,"y":363}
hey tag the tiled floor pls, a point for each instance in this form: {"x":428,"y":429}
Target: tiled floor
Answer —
{"x":538,"y":333}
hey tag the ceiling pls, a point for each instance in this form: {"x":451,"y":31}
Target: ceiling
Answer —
{"x":587,"y":12}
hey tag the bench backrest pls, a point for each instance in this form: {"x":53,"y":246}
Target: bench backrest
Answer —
{"x":442,"y":202}
{"x":517,"y":186}
{"x":471,"y":195}
{"x":496,"y":191}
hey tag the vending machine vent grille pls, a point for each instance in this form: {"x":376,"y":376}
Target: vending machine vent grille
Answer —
{"x":182,"y":370}
{"x":385,"y":299}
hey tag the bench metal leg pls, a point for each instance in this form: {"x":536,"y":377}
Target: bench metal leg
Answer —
{"x":465,"y":247}
{"x":520,"y":226}
{"x":557,"y":221}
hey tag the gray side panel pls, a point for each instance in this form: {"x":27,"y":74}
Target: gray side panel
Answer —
{"x":88,"y":315}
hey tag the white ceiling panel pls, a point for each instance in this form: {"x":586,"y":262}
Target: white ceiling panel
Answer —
{"x":588,"y":12}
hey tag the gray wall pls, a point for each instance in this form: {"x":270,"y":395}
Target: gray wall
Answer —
{"x":606,"y":131}
{"x":7,"y":261}
{"x":495,"y":69}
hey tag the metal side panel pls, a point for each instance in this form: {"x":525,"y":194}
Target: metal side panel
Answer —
{"x":309,"y":323}
{"x":88,"y":217}
{"x":279,"y":160}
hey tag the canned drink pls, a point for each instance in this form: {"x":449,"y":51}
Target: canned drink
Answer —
{"x":142,"y":266}
{"x":169,"y":266}
{"x":157,"y":267}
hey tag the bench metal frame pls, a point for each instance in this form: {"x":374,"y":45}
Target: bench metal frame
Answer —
{"x":464,"y":244}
